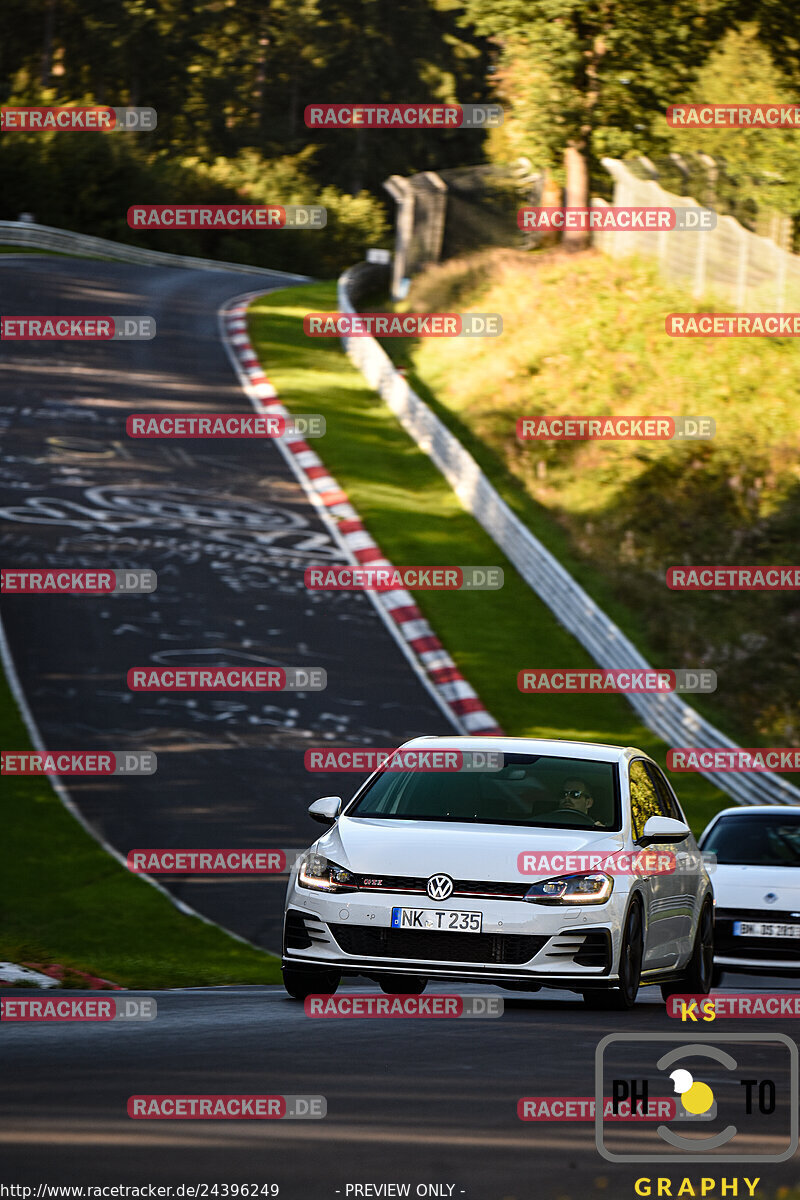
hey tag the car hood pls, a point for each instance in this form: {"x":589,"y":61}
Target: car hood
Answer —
{"x":745,"y":887}
{"x":487,"y":852}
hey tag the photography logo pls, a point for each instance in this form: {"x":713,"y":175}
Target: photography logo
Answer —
{"x":697,"y":1098}
{"x":737,"y":1097}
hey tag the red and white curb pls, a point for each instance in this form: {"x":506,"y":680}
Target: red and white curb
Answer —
{"x":455,"y":695}
{"x":18,"y":976}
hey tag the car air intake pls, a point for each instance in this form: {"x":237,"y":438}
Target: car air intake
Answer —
{"x":295,"y":934}
{"x":422,"y":945}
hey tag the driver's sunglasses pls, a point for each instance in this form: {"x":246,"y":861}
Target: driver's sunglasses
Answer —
{"x":573,"y":795}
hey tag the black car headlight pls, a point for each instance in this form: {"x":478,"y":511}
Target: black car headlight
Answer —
{"x":572,"y":889}
{"x":322,"y":875}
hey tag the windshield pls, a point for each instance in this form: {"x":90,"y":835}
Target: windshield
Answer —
{"x":562,"y":793}
{"x":760,"y":840}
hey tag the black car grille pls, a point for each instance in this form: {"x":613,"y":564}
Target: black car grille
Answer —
{"x":595,"y":951}
{"x":511,"y":949}
{"x":295,"y":934}
{"x":461,"y":887}
{"x":581,"y":946}
{"x":728,"y":945}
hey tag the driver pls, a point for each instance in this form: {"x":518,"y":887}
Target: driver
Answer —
{"x":576,"y":797}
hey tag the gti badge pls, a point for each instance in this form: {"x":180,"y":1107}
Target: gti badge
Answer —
{"x":440,"y":887}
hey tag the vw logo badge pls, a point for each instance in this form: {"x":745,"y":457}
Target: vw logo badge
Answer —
{"x":440,"y":887}
{"x":770,"y":897}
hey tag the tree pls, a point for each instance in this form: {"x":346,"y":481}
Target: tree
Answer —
{"x":587,"y":76}
{"x":759,"y":169}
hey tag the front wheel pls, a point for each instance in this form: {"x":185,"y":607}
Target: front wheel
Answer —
{"x":623,"y":997}
{"x":698,"y":977}
{"x":301,"y":982}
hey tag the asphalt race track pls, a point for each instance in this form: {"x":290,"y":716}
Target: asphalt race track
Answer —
{"x":425,"y":1103}
{"x":410,"y":1101}
{"x":229,"y":532}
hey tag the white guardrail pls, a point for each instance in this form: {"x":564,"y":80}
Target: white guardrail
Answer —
{"x":665,"y":714}
{"x":45,"y":237}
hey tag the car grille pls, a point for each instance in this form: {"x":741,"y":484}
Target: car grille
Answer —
{"x":461,"y":887}
{"x":728,"y":945}
{"x":587,"y":949}
{"x":295,"y":934}
{"x":422,"y":945}
{"x":301,"y":931}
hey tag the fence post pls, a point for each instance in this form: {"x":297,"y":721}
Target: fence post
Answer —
{"x":780,"y":280}
{"x":700,"y":264}
{"x":402,"y":193}
{"x":435,"y":231}
{"x":741,"y":280}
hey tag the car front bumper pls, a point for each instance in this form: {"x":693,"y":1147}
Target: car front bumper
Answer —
{"x":755,"y":955}
{"x":520,"y":942}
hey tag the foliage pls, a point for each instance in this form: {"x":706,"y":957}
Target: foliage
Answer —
{"x":586,"y":337}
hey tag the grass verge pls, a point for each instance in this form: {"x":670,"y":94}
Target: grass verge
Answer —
{"x":65,"y":900}
{"x":414,"y":516}
{"x":584,"y":335}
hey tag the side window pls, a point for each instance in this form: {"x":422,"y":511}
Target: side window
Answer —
{"x":668,"y":802}
{"x":644,"y":798}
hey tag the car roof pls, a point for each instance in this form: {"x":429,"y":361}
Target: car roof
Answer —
{"x":741,"y":810}
{"x":556,"y":747}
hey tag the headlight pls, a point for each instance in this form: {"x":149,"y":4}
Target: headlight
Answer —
{"x":572,"y":889}
{"x":322,"y":875}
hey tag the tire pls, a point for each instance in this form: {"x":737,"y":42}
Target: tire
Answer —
{"x":402,"y":985}
{"x":301,"y":982}
{"x":623,"y":997}
{"x":716,"y":977}
{"x":698,"y":977}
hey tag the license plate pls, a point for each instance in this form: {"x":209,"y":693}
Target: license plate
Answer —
{"x":439,"y":919}
{"x":765,"y":929}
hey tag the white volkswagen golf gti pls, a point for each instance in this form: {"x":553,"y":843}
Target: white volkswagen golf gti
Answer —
{"x":418,"y":877}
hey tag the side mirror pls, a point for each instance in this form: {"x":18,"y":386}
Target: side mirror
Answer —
{"x":326,"y":810}
{"x":663,"y":829}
